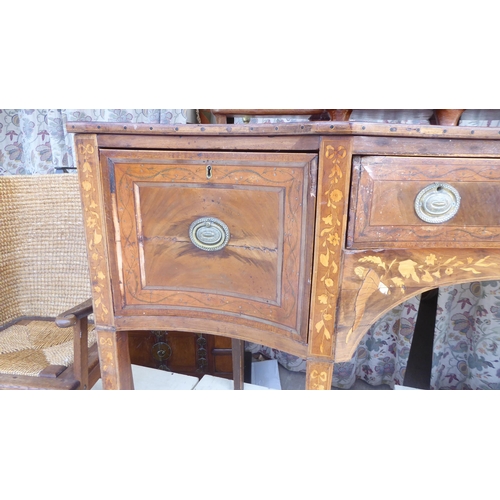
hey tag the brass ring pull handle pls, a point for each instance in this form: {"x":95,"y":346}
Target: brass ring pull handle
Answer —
{"x":437,"y":203}
{"x":209,"y":234}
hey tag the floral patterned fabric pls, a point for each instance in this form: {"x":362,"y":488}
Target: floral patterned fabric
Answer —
{"x":35,"y":141}
{"x":467,"y":337}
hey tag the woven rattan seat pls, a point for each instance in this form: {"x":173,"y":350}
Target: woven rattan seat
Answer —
{"x":43,"y":274}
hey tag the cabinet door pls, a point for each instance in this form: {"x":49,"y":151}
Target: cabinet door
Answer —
{"x":225,"y":237}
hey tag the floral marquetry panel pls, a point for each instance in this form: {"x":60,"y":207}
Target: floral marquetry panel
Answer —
{"x":93,"y":219}
{"x":376,"y":282}
{"x":333,"y":189}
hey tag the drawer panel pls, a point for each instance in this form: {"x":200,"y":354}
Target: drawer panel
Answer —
{"x":261,"y":278}
{"x":384,"y":193}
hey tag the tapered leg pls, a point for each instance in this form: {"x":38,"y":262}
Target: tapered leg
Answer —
{"x":238,"y":354}
{"x":331,"y":219}
{"x":114,"y":357}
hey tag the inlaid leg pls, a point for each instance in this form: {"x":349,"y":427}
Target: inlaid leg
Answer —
{"x":238,"y":355}
{"x":331,"y":216}
{"x":114,"y":357}
{"x":319,"y":375}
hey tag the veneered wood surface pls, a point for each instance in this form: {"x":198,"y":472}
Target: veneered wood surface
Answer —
{"x":388,"y":186}
{"x":114,"y":356}
{"x":330,"y":227}
{"x":228,"y":326}
{"x":94,"y":216}
{"x":339,"y":114}
{"x":282,"y":143}
{"x":261,"y":279}
{"x":182,"y":352}
{"x":331,"y":220}
{"x":376,"y":281}
{"x":423,"y":146}
{"x":245,"y":269}
{"x":315,"y":128}
{"x":319,"y":375}
{"x":448,"y":116}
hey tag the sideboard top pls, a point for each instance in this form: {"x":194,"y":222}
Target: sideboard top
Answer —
{"x":287,"y":129}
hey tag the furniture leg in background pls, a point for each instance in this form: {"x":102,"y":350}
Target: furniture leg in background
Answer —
{"x":419,"y":366}
{"x":238,"y":355}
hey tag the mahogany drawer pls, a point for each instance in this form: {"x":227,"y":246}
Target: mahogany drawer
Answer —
{"x":384,"y":191}
{"x":260,"y":280}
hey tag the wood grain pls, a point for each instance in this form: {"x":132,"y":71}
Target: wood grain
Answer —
{"x":216,"y":325}
{"x":187,"y":353}
{"x":316,"y":128}
{"x":282,"y":143}
{"x":374,"y":282}
{"x":410,"y":146}
{"x":319,"y":375}
{"x":238,"y":356}
{"x":331,"y":217}
{"x":114,"y":356}
{"x":388,"y":186}
{"x":95,"y":229}
{"x":448,"y":116}
{"x":261,"y":277}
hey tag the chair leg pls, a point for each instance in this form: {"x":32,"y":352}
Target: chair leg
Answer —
{"x":81,"y":352}
{"x":238,"y":356}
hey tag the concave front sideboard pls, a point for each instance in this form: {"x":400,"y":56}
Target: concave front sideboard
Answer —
{"x":297,"y":236}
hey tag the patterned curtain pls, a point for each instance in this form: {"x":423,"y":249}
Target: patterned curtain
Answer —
{"x":35,"y":141}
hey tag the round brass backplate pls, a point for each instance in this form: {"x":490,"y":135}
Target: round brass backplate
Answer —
{"x":437,"y":203}
{"x":209,"y":234}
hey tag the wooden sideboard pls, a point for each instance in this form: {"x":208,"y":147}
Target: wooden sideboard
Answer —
{"x":297,"y":236}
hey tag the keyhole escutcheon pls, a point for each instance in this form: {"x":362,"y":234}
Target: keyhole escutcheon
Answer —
{"x":209,"y":171}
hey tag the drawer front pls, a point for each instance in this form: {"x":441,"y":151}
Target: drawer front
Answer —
{"x":385,"y":189}
{"x":172,"y":208}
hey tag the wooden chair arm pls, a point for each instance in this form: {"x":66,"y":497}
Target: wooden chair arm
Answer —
{"x":70,"y":317}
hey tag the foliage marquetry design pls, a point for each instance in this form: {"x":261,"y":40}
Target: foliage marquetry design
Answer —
{"x":93,"y":227}
{"x":318,"y":380}
{"x":400,"y":273}
{"x":319,"y":376}
{"x":330,"y":237}
{"x":383,"y":276}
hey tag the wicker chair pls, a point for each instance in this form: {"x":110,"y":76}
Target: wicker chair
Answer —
{"x":43,"y":273}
